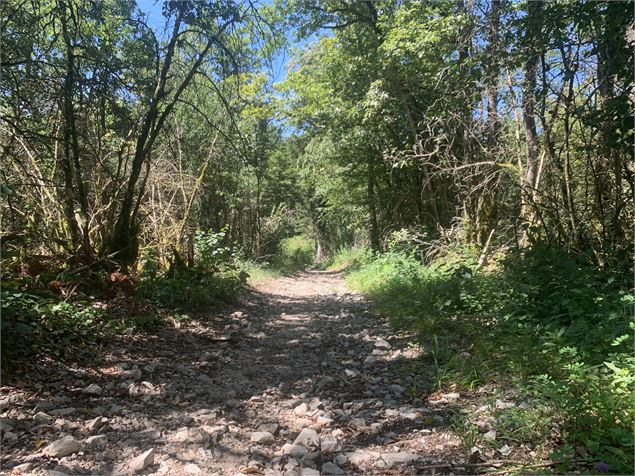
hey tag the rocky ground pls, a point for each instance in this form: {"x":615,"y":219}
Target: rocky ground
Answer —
{"x":298,"y":379}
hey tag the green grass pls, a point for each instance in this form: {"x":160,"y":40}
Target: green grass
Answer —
{"x":258,"y":272}
{"x":552,"y":328}
{"x":294,"y":254}
{"x":344,"y":259}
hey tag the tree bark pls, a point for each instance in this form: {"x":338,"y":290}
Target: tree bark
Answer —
{"x":71,"y":165}
{"x":528,"y":106}
{"x":375,"y":239}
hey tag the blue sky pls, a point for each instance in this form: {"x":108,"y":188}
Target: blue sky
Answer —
{"x":277,"y":72}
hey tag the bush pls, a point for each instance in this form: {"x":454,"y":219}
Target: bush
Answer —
{"x":215,"y":276}
{"x":257,"y":272}
{"x":348,"y":259}
{"x":36,"y":321}
{"x":295,"y":253}
{"x":541,"y":316}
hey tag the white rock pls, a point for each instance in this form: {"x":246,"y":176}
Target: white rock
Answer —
{"x":270,"y":427}
{"x":394,"y":459}
{"x":62,"y":447}
{"x":324,"y":421}
{"x":23,"y":468}
{"x":451,"y":397}
{"x":358,"y":423}
{"x":262,"y":437}
{"x":503,"y":405}
{"x":351,"y":373}
{"x":505,"y":450}
{"x":295,"y":451}
{"x":307,"y":437}
{"x":382,"y":344}
{"x":43,"y":418}
{"x":361,"y":457}
{"x":310,"y":472}
{"x":328,"y":444}
{"x":95,"y":424}
{"x":490,"y":435}
{"x":301,"y":409}
{"x":330,"y":468}
{"x":97,"y":440}
{"x":191,"y":468}
{"x":142,"y":461}
{"x":92,"y":389}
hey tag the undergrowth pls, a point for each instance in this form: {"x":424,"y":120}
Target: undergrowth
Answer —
{"x":294,"y":254}
{"x":62,"y":315}
{"x":258,"y":272}
{"x":547,"y":325}
{"x":343,"y":259}
{"x":214,"y":277}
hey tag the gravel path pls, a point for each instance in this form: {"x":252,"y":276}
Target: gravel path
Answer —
{"x":298,"y":379}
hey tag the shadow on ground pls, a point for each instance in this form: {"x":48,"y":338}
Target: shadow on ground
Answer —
{"x":196,"y":393}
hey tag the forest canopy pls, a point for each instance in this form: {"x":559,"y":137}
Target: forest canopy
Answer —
{"x":509,"y":119}
{"x":467,"y":163}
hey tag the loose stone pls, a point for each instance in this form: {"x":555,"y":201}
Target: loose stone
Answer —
{"x":262,"y":437}
{"x":62,"y":447}
{"x":142,"y":461}
{"x":307,"y":437}
{"x":330,"y":468}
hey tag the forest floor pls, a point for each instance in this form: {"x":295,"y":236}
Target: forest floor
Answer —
{"x":299,"y":378}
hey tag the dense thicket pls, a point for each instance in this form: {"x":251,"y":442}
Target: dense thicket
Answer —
{"x":119,"y":136}
{"x":490,"y":119}
{"x":479,"y":121}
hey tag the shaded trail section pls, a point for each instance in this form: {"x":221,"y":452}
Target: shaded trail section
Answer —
{"x":298,"y":379}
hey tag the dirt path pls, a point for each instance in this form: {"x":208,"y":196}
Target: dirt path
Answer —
{"x":300,"y":379}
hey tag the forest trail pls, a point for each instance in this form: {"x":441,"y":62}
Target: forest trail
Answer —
{"x":297,"y":379}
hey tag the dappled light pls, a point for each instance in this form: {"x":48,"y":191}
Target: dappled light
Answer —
{"x":317,"y":237}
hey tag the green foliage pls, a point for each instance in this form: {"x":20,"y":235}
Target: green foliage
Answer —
{"x":38,"y":322}
{"x":258,"y":272}
{"x":212,"y":252}
{"x":345,"y":259}
{"x":195,"y":290}
{"x":294,"y":254}
{"x":541,"y":317}
{"x":215,"y":276}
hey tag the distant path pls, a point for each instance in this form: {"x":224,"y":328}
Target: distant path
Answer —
{"x":299,"y":356}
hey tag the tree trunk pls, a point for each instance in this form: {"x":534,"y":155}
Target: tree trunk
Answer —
{"x":71,"y":166}
{"x":375,"y":239}
{"x":528,"y":105}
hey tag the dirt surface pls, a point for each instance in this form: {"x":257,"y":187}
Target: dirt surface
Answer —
{"x":298,"y":379}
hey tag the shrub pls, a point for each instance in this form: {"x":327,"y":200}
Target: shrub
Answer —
{"x":540,"y":316}
{"x":295,"y":253}
{"x":215,"y":276}
{"x":349,"y":259}
{"x":36,"y":321}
